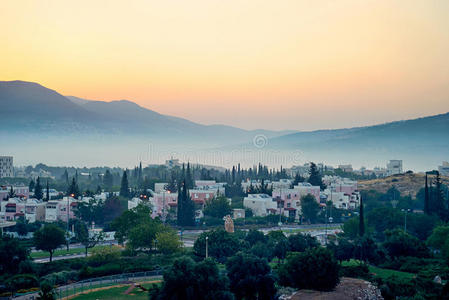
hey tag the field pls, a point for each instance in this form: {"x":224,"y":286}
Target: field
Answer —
{"x":382,"y":273}
{"x":116,"y":292}
{"x":62,"y":252}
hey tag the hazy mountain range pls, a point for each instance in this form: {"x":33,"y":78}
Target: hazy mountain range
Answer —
{"x":38,"y":124}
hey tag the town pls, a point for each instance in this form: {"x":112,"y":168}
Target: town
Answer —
{"x":178,"y":208}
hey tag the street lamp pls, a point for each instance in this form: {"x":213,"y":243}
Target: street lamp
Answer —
{"x":405,"y":218}
{"x":207,"y":250}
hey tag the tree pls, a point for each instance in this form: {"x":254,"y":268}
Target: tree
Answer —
{"x":399,"y":243}
{"x":250,"y":277}
{"x":361,"y":218}
{"x":343,"y":250}
{"x":300,"y":242}
{"x":31,"y":185}
{"x":47,"y":190}
{"x":309,"y":208}
{"x":91,"y":211}
{"x":314,"y":269}
{"x":217,"y":207}
{"x":38,"y":189}
{"x":108,"y":181}
{"x":73,"y":189}
{"x":298,"y":178}
{"x":186,"y":207}
{"x":167,"y":242}
{"x":47,"y":292}
{"x":11,"y":193}
{"x":113,"y":207}
{"x":128,"y":220}
{"x":143,"y":236}
{"x":12,"y":253}
{"x":255,"y":236}
{"x":438,"y":237}
{"x":124,"y":186}
{"x":186,"y":279}
{"x":221,"y":244}
{"x":315,"y":176}
{"x":82,"y":235}
{"x":49,"y":238}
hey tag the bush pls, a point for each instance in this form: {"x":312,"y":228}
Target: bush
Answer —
{"x":107,"y":269}
{"x":394,"y":287}
{"x":104,"y":255}
{"x":22,"y":281}
{"x":314,"y":269}
{"x":355,"y":271}
{"x":62,"y":277}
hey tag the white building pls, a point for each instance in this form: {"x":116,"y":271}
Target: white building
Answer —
{"x":394,"y":167}
{"x":6,"y":166}
{"x":261,"y":204}
{"x":160,"y":187}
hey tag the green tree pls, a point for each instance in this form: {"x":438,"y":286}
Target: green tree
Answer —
{"x":49,"y":238}
{"x":255,"y":236}
{"x":12,"y":253}
{"x":108,"y":181}
{"x":438,"y":237}
{"x":250,"y":277}
{"x":217,"y":207}
{"x":124,"y":186}
{"x":221,"y":244}
{"x":186,"y":207}
{"x":128,"y":220}
{"x":47,"y":191}
{"x":142,"y":236}
{"x":315,"y":176}
{"x":399,"y":243}
{"x":82,"y":235}
{"x":300,"y":242}
{"x":46,"y":292}
{"x":168,"y":242}
{"x":315,"y":269}
{"x":361,"y":218}
{"x":186,"y":279}
{"x":31,"y":185}
{"x":309,"y":208}
{"x":73,"y":189}
{"x":38,"y":189}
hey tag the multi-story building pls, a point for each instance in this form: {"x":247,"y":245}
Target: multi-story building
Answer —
{"x":346,"y":168}
{"x":260,"y":204}
{"x":30,"y":209}
{"x":20,"y":191}
{"x":6,"y":166}
{"x":394,"y":167}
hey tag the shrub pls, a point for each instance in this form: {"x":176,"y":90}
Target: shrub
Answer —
{"x":314,"y":269}
{"x":61,"y":277}
{"x":355,"y":271}
{"x":104,"y":255}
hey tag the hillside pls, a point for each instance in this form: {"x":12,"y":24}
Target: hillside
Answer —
{"x":407,"y":184}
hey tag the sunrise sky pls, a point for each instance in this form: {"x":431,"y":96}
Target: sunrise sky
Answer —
{"x":252,"y":64}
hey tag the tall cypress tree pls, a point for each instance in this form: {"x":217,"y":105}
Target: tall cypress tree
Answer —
{"x":426,"y":198}
{"x":48,"y":191}
{"x":361,"y":218}
{"x":186,"y":207}
{"x":124,"y":187}
{"x":38,"y":189}
{"x":188,"y":178}
{"x":73,"y":189}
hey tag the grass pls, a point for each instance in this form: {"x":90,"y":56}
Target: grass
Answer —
{"x":63,"y":252}
{"x":116,"y":293}
{"x":382,"y":273}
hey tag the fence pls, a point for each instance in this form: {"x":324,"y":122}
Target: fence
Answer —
{"x":99,"y":282}
{"x":88,"y":285}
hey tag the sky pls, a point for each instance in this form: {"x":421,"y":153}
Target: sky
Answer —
{"x":281,"y":64}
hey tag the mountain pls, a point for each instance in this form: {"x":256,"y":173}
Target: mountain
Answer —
{"x":32,"y":108}
{"x":37,"y":123}
{"x":422,"y":142}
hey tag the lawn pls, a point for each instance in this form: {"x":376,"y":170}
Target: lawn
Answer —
{"x":382,"y":273}
{"x":63,"y":252}
{"x":116,"y":293}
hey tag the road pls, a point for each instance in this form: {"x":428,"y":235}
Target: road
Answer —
{"x":317,"y":230}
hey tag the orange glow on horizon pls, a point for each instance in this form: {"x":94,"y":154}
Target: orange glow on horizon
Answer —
{"x":289,"y":64}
